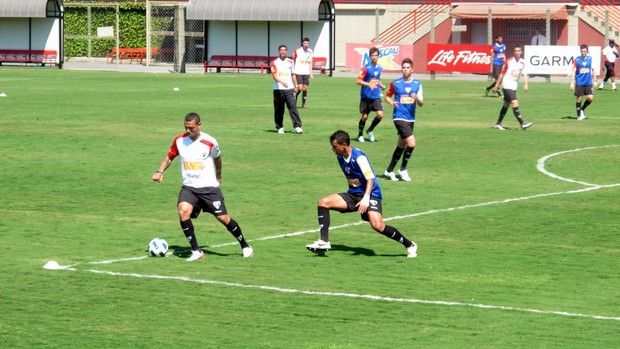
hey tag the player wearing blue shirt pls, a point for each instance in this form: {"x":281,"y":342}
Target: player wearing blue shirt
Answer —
{"x":582,"y":80}
{"x":363,"y":196}
{"x":404,"y":95}
{"x":499,"y":55}
{"x":370,"y":94}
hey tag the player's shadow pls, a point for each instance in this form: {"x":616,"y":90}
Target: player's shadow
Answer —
{"x":569,"y":117}
{"x":185,"y":252}
{"x":360,"y":251}
{"x":354,"y":250}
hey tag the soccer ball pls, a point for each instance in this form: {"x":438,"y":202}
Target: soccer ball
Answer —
{"x":158,"y":247}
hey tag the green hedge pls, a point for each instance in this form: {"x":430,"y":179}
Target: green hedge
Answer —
{"x":132,"y":24}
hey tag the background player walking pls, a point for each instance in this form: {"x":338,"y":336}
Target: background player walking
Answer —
{"x":370,"y":94}
{"x":404,"y":95}
{"x":512,"y":70}
{"x":302,"y":58}
{"x":581,"y":81}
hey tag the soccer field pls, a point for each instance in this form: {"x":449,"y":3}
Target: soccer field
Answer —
{"x":518,"y":231}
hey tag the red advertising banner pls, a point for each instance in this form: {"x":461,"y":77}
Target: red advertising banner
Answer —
{"x":459,"y":58}
{"x":390,"y":55}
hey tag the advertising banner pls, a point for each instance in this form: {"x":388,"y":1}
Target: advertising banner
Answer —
{"x":557,"y":60}
{"x":459,"y":58}
{"x":390,"y":55}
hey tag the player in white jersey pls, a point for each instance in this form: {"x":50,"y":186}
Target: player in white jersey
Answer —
{"x":611,"y":55}
{"x":201,"y":167}
{"x":302,"y":57}
{"x":512,"y":70}
{"x":284,"y":90}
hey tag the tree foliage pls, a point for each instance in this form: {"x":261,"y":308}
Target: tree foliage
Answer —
{"x":132,"y":27}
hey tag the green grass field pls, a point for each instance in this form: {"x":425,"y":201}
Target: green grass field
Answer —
{"x":510,"y":256}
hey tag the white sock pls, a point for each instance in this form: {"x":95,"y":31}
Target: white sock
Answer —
{"x":613,"y":85}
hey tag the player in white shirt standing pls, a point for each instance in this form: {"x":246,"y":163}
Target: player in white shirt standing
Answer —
{"x":611,"y":54}
{"x":284,"y":90}
{"x":302,"y":57}
{"x":201,"y":167}
{"x":512,"y":70}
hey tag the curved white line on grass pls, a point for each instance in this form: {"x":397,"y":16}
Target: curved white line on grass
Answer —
{"x":347,"y":295}
{"x":541,"y":165}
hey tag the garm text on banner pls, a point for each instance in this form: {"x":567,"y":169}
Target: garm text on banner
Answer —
{"x":557,"y":60}
{"x":459,"y":58}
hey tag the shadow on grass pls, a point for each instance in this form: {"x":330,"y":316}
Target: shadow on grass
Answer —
{"x":185,"y":252}
{"x":353,"y":250}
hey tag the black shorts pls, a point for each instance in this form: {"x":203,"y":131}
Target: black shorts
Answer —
{"x":207,"y":199}
{"x":367,"y":105}
{"x":404,"y":128}
{"x":303,"y":79}
{"x":497,"y":69}
{"x":583,"y":90}
{"x":509,"y":95}
{"x":610,"y":71}
{"x":353,"y":199}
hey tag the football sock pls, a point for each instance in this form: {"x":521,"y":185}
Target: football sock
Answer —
{"x":323,"y":214}
{"x":491,"y":86}
{"x":517,"y":115}
{"x":398,"y":152}
{"x":188,"y":230}
{"x":406,"y":157}
{"x":578,"y":107}
{"x":502,"y":113}
{"x":585,"y":105}
{"x":235,"y":230}
{"x":395,"y":235}
{"x":613,"y":85}
{"x":360,"y":128}
{"x":304,"y":97}
{"x":374,"y":124}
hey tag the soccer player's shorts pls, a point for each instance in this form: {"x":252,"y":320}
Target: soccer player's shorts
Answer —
{"x":353,"y":199}
{"x":509,"y":95}
{"x":404,"y":128}
{"x":497,"y":69}
{"x":303,"y":79}
{"x":368,"y":105}
{"x":610,"y":71}
{"x":583,"y":90}
{"x":209,"y":199}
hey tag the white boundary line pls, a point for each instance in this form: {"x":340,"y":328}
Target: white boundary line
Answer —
{"x":341,"y":294}
{"x":540,"y":166}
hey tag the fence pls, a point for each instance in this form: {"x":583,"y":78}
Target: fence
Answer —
{"x":169,"y":39}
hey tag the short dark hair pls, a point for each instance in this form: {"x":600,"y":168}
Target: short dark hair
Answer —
{"x":281,"y":46}
{"x":583,"y":46}
{"x":407,"y":60}
{"x":305,"y":39}
{"x":519,"y":46}
{"x":192,"y":117}
{"x":373,"y":50}
{"x":342,"y":137}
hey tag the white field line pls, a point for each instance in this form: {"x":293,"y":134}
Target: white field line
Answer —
{"x":540,"y":166}
{"x":342,"y":294}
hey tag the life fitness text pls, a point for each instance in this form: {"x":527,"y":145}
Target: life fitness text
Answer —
{"x":459,"y":58}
